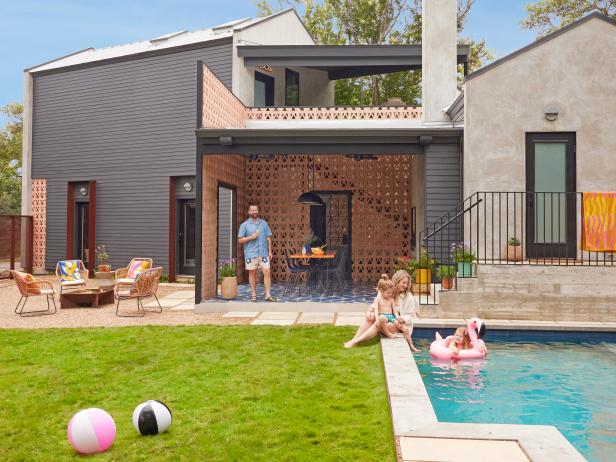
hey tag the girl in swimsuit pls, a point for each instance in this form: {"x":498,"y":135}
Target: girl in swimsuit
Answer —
{"x":385,"y":305}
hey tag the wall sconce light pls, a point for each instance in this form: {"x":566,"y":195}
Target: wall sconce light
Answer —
{"x":188,"y":186}
{"x":551,"y":112}
{"x":83,"y":191}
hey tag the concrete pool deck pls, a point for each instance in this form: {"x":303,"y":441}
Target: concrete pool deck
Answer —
{"x":421,"y":437}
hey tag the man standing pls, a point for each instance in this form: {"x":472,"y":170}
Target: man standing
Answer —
{"x":256,"y":237}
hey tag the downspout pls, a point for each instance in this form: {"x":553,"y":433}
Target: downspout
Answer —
{"x":26,"y":159}
{"x":26,"y":167}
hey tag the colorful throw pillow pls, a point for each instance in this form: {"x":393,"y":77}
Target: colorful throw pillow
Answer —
{"x":27,"y":278}
{"x":69,"y":271}
{"x":137,"y":267}
{"x":33,"y":290}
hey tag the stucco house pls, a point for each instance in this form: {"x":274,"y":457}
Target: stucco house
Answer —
{"x":155,"y":149}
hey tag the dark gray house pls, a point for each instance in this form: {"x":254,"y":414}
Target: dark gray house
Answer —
{"x":109,"y":138}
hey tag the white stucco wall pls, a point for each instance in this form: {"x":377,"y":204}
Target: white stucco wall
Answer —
{"x":576,"y":71}
{"x":284,"y":29}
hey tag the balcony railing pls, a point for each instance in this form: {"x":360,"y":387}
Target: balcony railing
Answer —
{"x":516,"y":228}
{"x":334,"y":113}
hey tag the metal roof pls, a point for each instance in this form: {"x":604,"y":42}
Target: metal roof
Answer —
{"x":172,"y":40}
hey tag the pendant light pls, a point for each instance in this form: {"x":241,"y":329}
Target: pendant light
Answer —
{"x":310,"y":197}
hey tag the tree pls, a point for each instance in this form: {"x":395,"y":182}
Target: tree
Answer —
{"x":374,"y":22}
{"x":546,"y":16}
{"x":10,"y":160}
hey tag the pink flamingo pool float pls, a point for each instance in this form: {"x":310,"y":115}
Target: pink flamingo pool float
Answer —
{"x":476,"y":330}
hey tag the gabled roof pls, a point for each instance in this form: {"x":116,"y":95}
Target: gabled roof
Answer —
{"x":542,"y":40}
{"x":167,"y":41}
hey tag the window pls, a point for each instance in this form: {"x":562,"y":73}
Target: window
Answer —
{"x":291,"y":88}
{"x":264,"y":90}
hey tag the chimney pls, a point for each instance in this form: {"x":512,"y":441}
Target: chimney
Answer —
{"x":438,"y":58}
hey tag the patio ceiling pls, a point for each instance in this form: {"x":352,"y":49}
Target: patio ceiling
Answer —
{"x":376,"y":141}
{"x":341,"y":61}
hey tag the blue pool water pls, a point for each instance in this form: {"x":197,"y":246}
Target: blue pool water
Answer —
{"x":569,"y":385}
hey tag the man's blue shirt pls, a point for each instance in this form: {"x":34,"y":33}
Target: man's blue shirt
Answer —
{"x":257,"y":247}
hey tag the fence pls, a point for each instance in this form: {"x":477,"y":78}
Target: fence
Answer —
{"x":16,"y":236}
{"x":510,"y":228}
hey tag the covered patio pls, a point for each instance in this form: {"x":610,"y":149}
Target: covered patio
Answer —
{"x":372,"y":183}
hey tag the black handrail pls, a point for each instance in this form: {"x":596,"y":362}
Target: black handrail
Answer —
{"x":508,"y":228}
{"x":462,"y":212}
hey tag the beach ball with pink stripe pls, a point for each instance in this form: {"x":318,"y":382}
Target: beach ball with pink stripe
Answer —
{"x":91,"y":430}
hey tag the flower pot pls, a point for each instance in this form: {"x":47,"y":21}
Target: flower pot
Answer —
{"x":228,"y":287}
{"x":514,"y":253}
{"x":104,"y":268}
{"x":447,"y":283}
{"x":465,"y":269}
{"x":423,"y":278}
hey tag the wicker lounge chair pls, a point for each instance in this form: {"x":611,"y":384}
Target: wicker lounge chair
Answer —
{"x":125,"y":277}
{"x":29,"y":286}
{"x":144,"y":286}
{"x":71,"y":274}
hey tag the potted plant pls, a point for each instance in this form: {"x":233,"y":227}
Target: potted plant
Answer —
{"x":308,"y":240}
{"x":514,"y":249}
{"x":102,"y":257}
{"x":227,"y":275}
{"x":447,"y":273}
{"x":421,"y":269}
{"x":464,"y":258}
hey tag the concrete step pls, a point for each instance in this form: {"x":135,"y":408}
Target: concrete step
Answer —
{"x":523,"y":306}
{"x":532,"y":292}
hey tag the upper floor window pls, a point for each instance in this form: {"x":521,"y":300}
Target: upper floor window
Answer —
{"x":264,"y":90}
{"x":291,"y":88}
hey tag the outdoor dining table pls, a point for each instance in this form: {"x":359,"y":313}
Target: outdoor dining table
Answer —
{"x":311,"y":258}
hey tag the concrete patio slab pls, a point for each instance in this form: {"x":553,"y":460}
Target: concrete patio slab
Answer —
{"x":272,"y":322}
{"x":290,"y":315}
{"x":348,"y":320}
{"x":241,"y":314}
{"x":182,"y":294}
{"x":460,"y":450}
{"x":316,"y":318}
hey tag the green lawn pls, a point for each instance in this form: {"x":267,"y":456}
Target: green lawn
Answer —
{"x":236,"y":393}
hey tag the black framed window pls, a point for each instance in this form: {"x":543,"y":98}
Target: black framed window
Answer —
{"x":291,"y":88}
{"x":264,"y":90}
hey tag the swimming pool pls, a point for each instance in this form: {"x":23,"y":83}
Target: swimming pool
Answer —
{"x":569,"y":385}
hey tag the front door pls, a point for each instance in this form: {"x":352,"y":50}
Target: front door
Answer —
{"x":551,"y":197}
{"x":186,"y":236}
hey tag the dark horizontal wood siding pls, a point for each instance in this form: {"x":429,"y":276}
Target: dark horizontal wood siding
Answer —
{"x":443,"y":180}
{"x":129,"y":126}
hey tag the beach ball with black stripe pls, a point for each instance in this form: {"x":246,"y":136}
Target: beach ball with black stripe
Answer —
{"x":151,"y":417}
